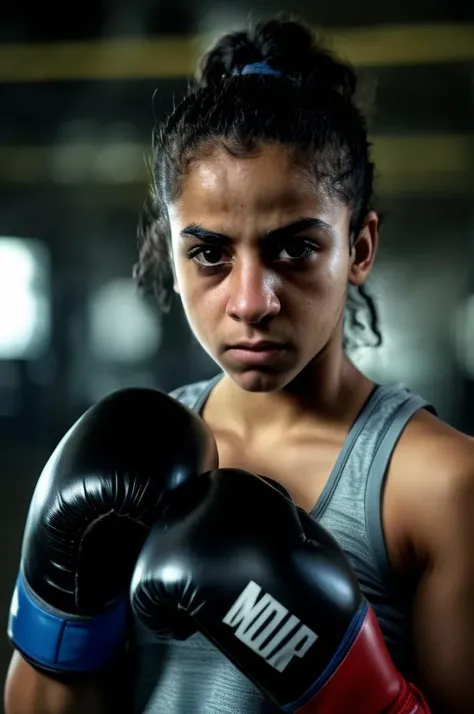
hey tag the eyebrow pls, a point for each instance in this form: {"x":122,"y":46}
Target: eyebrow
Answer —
{"x":196,"y":231}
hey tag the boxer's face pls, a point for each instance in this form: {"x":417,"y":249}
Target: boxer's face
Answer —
{"x":261,"y":255}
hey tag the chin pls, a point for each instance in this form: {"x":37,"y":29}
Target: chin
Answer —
{"x":259,"y":381}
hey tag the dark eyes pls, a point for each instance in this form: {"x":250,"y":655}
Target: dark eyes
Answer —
{"x":207,"y":256}
{"x":297,"y":249}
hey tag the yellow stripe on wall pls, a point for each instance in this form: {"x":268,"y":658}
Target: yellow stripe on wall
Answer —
{"x":167,"y":56}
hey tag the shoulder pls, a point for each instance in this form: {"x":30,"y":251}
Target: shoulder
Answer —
{"x":437,"y":453}
{"x":431,"y":479}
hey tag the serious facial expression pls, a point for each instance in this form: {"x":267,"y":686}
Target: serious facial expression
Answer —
{"x":262,"y":262}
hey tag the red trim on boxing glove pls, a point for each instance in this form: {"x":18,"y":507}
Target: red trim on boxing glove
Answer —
{"x":367,"y":681}
{"x":409,"y":701}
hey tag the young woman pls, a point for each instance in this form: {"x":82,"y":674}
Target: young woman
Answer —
{"x":260,"y":217}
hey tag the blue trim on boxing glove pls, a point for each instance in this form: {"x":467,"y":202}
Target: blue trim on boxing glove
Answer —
{"x":63,"y":643}
{"x":343,"y":649}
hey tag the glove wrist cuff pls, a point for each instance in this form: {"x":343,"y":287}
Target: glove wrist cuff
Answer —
{"x":56,"y":641}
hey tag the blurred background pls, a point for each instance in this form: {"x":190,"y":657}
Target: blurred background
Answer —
{"x":76,"y":116}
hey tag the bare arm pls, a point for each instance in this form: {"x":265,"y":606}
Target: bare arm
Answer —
{"x":444,"y":602}
{"x":28,"y":691}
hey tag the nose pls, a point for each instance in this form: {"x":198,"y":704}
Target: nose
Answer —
{"x":252,"y":298}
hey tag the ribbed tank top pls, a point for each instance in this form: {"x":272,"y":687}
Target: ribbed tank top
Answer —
{"x":193,"y":677}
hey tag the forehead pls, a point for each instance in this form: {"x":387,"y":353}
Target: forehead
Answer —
{"x":265,"y":182}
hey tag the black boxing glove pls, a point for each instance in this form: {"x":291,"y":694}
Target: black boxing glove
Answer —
{"x":274,"y":592}
{"x":93,"y":505}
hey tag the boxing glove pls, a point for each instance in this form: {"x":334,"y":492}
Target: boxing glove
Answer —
{"x":274,"y":592}
{"x":92,"y":508}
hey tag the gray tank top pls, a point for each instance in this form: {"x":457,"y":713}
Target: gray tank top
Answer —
{"x":193,"y":677}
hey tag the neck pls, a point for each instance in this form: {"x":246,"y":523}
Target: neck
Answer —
{"x":329,"y":391}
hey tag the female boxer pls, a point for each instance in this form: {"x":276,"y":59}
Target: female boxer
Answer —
{"x":260,"y":217}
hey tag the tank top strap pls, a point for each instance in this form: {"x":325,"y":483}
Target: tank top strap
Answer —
{"x":378,"y":468}
{"x":195,"y":395}
{"x":350,"y":507}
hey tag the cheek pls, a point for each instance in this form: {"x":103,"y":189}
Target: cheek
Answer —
{"x":338,"y":264}
{"x":326,"y":285}
{"x":317,"y":309}
{"x":202,"y":304}
{"x":336,"y":279}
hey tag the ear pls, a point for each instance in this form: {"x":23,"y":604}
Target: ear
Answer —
{"x":364,"y":249}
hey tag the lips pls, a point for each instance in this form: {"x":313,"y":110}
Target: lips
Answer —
{"x":262,"y":346}
{"x":253,"y":355}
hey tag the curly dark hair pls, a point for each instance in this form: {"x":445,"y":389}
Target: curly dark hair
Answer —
{"x":310,"y":108}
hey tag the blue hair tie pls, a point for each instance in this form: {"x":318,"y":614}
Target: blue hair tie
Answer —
{"x":259,"y":68}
